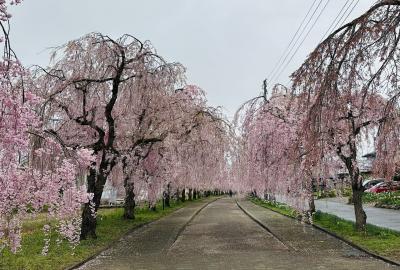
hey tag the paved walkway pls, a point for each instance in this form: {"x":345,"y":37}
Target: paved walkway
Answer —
{"x":386,"y":218}
{"x":222,"y":236}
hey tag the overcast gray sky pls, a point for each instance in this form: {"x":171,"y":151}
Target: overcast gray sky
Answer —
{"x":228,"y":46}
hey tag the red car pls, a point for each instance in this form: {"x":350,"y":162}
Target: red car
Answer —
{"x":384,"y":187}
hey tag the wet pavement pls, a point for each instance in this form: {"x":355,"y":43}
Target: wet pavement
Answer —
{"x":222,"y":236}
{"x":381,"y":217}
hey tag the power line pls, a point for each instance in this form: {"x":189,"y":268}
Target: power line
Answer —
{"x":340,"y":22}
{"x":304,"y":38}
{"x":348,"y":14}
{"x":292,"y":39}
{"x":340,"y":19}
{"x":335,"y":20}
{"x":273,"y":76}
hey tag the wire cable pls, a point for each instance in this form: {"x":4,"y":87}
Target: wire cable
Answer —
{"x":273,"y":76}
{"x":291,"y":41}
{"x":334,"y":22}
{"x":348,"y":14}
{"x":302,"y":41}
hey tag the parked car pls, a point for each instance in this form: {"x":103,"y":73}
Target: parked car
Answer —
{"x":384,"y":187}
{"x":367,"y":184}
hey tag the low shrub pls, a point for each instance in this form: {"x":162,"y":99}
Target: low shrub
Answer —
{"x":325,"y":194}
{"x":385,"y":198}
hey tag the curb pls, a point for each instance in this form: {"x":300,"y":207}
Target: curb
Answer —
{"x":75,"y":266}
{"x":191,"y":219}
{"x":109,"y":245}
{"x":262,"y":225}
{"x":372,"y":254}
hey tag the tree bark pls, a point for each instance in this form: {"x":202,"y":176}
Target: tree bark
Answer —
{"x":183,"y":195}
{"x":356,"y":184}
{"x":88,"y":227}
{"x":152,"y":207}
{"x":168,"y":196}
{"x":361,"y":217}
{"x":311,"y":205}
{"x":95,"y":185}
{"x":194,"y":194}
{"x":190,"y":195}
{"x":129,"y":206}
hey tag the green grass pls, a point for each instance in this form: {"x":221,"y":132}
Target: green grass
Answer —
{"x":276,"y":206}
{"x":110,"y":227}
{"x":379,"y":240}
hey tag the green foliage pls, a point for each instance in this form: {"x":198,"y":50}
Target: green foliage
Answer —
{"x":370,"y":197}
{"x":387,"y":198}
{"x":347,"y":192}
{"x":111,"y":226}
{"x":325,"y":194}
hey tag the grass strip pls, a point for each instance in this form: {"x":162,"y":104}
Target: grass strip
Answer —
{"x":111,"y":227}
{"x":378,"y":240}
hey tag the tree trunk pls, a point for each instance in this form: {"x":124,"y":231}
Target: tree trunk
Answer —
{"x":361,"y":217}
{"x":129,"y":206}
{"x":88,"y":227}
{"x":183,"y":196}
{"x":177,"y":195}
{"x":356,"y":185}
{"x":95,"y":185}
{"x":168,"y":196}
{"x":152,"y":207}
{"x":194,"y":194}
{"x":190,"y":195}
{"x":311,"y":205}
